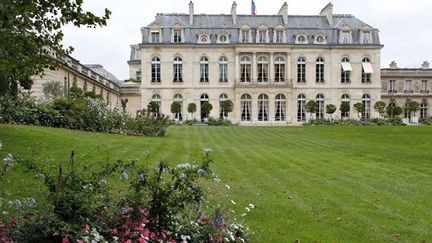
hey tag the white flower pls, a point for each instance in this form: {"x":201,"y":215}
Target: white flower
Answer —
{"x":208,"y":150}
{"x":1,"y":145}
{"x":31,"y":201}
{"x":201,"y":172}
{"x":182,"y":176}
{"x":184,"y":166}
{"x":251,"y":205}
{"x":226,"y":239}
{"x":231,"y":236}
{"x":243,"y":215}
{"x":247,"y":209}
{"x":141,"y":177}
{"x":228,"y":187}
{"x":17,"y":203}
{"x":89,"y":186}
{"x":124,"y":176}
{"x":40,"y":176}
{"x":103,"y":182}
{"x":232,"y":201}
{"x":8,"y":160}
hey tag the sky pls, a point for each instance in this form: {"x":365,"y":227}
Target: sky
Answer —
{"x":405,"y":26}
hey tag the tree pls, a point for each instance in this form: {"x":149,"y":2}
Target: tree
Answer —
{"x":227,"y":106}
{"x":31,"y":35}
{"x":331,"y":109}
{"x":206,"y":108}
{"x":359,"y":108}
{"x":345,"y":107}
{"x":176,"y":110}
{"x":380,"y":107}
{"x":393,"y":110}
{"x":52,"y":89}
{"x":413,"y":107}
{"x":153,"y":108}
{"x":192,"y":108}
{"x":311,"y":107}
{"x":124,"y":104}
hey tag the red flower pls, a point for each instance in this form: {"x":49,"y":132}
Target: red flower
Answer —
{"x":113,"y":231}
{"x":2,"y":225}
{"x":65,"y":240}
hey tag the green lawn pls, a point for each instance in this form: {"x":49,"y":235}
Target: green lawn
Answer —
{"x":314,"y":184}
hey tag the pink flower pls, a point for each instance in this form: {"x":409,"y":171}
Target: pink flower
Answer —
{"x":113,"y":231}
{"x":2,"y":225}
{"x":86,"y":228}
{"x":142,"y":240}
{"x":65,"y":240}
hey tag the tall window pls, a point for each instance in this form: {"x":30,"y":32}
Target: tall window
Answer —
{"x":245,"y":36}
{"x":155,"y":70}
{"x":346,"y":37}
{"x":279,"y":69}
{"x":204,"y":70}
{"x":262,"y":69}
{"x":366,"y":71}
{"x":179,"y":99}
{"x":155,"y":37}
{"x":222,"y":114}
{"x":280,"y":105}
{"x":392,"y":86}
{"x":301,"y":70}
{"x":246,"y":107}
{"x":320,"y":105}
{"x":319,"y":70}
{"x":177,"y":36}
{"x":156,"y":98}
{"x":407,"y":114}
{"x":346,"y":71}
{"x":366,"y":100}
{"x":263,"y":107}
{"x":346,"y":100}
{"x":424,"y":87}
{"x":223,"y":70}
{"x":245,"y":69}
{"x":408,"y":86}
{"x":262,"y":36}
{"x":279,"y":36}
{"x":301,"y":112}
{"x":138,"y":75}
{"x":423,"y":110}
{"x":178,"y":69}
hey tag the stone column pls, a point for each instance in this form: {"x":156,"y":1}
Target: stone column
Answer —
{"x":237,"y":68}
{"x":254,"y":67}
{"x":272,"y":70}
{"x":272,"y":107}
{"x":288,"y":75}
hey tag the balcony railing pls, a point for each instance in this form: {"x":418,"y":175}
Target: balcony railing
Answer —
{"x":424,"y":91}
{"x":392,"y":91}
{"x":409,"y":91}
{"x":255,"y":83}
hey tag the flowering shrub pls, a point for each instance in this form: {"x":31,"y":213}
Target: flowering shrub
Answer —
{"x":81,"y":112}
{"x":163,"y":204}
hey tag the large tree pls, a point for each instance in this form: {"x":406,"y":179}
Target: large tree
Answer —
{"x":31,"y":34}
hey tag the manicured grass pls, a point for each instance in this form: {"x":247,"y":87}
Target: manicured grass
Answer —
{"x":314,"y":184}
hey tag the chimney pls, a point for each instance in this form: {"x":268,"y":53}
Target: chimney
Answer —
{"x":393,"y":65}
{"x":191,"y":13}
{"x":425,"y":65}
{"x":328,"y":13}
{"x":284,"y":13}
{"x":234,"y":12}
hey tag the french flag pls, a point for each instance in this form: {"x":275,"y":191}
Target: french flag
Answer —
{"x":253,"y":8}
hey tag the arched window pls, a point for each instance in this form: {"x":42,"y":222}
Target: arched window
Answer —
{"x":423,"y":110}
{"x":279,"y":69}
{"x":280,"y":104}
{"x":262,"y":69}
{"x":320,"y":39}
{"x":178,"y":69}
{"x":301,"y":70}
{"x":320,"y":105}
{"x":157,"y":98}
{"x":204,"y":70}
{"x":179,"y":99}
{"x":366,"y":71}
{"x":301,"y":112}
{"x":223,"y":114}
{"x":263,"y":107}
{"x":223,"y":39}
{"x":246,"y":107}
{"x":204,"y":39}
{"x":366,"y":100}
{"x":345,"y":102}
{"x":223,"y":70}
{"x":155,"y":70}
{"x":204,"y":99}
{"x":407,"y":113}
{"x":319,"y":66}
{"x":346,"y":71}
{"x":245,"y":69}
{"x":301,"y":39}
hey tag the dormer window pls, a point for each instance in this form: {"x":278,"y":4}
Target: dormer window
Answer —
{"x":177,"y":36}
{"x":223,"y":39}
{"x":345,"y":35}
{"x":245,"y":35}
{"x":204,"y":39}
{"x":320,"y":39}
{"x":155,"y":36}
{"x":261,"y":36}
{"x":301,"y":39}
{"x":279,"y":36}
{"x":366,"y":37}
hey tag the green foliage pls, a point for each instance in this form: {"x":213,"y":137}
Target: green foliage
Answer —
{"x":176,"y":107}
{"x":52,"y":89}
{"x":81,"y":201}
{"x":153,"y":107}
{"x":345,"y":107}
{"x":206,"y":108}
{"x":413,"y":107}
{"x":394,"y":110}
{"x":31,"y":34}
{"x":359,"y":108}
{"x":192,"y":108}
{"x":311,"y":107}
{"x":227,"y":106}
{"x":218,"y":122}
{"x":79,"y":112}
{"x":371,"y":122}
{"x":330,"y":109}
{"x":379,"y":107}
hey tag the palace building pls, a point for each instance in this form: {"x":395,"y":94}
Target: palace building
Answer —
{"x":268,"y":65}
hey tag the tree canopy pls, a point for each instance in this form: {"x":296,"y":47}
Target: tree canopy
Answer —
{"x":31,"y":35}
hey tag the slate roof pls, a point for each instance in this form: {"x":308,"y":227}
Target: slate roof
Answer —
{"x":97,"y":68}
